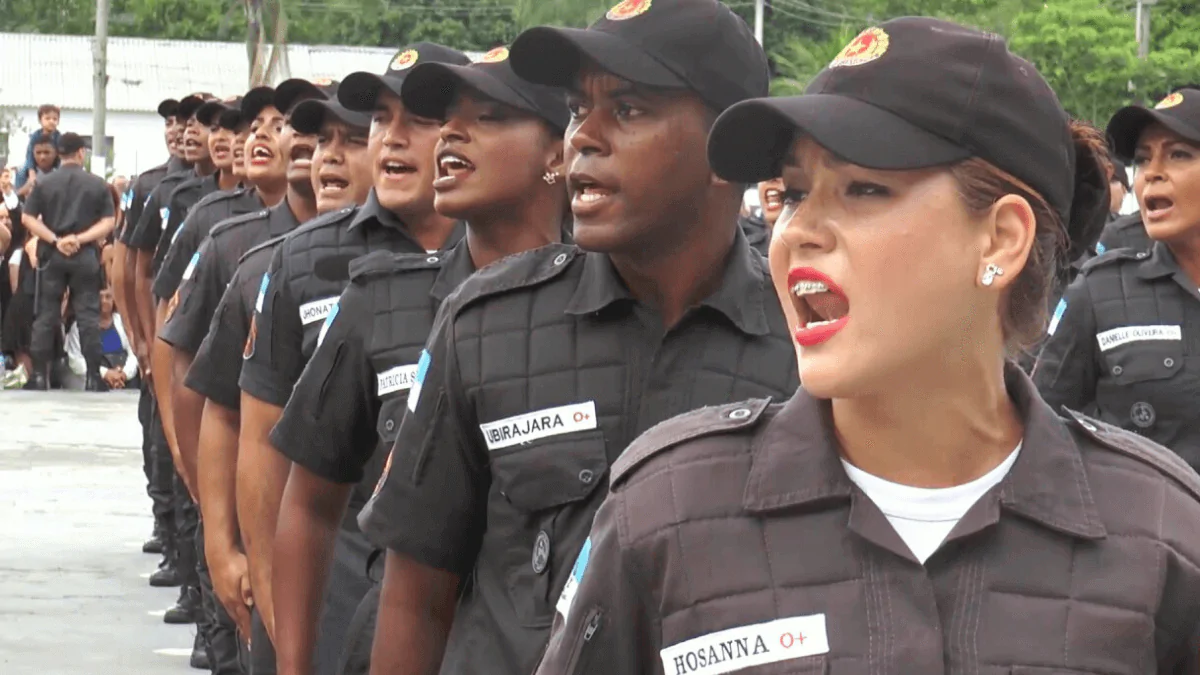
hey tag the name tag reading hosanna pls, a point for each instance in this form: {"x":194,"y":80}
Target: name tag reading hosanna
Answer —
{"x":540,"y":424}
{"x":746,"y":646}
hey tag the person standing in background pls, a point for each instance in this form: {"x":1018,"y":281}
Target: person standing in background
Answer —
{"x":76,"y":213}
{"x":48,"y":117}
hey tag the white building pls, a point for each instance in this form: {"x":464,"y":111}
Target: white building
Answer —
{"x":57,"y":69}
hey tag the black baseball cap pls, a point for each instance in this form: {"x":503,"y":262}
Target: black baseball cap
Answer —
{"x":912,"y":93}
{"x":360,"y":90}
{"x":310,"y":115}
{"x":190,"y":104}
{"x":167,"y":108}
{"x":1178,"y":111}
{"x":290,"y":92}
{"x":71,"y":143}
{"x":255,"y":100}
{"x":210,"y":113}
{"x":430,"y":88}
{"x":700,"y":45}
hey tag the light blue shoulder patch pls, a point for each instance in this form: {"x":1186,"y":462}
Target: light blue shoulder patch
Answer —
{"x":328,"y":321}
{"x":165,"y":214}
{"x":1058,"y":315}
{"x":1100,"y":248}
{"x":572,"y":587}
{"x":187,"y":273}
{"x":262,"y":292}
{"x":414,"y":393}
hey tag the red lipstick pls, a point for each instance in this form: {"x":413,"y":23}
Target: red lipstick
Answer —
{"x":814,"y":333}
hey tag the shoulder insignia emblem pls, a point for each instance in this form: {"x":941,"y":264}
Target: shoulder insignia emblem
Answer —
{"x":1139,"y":448}
{"x":698,"y":423}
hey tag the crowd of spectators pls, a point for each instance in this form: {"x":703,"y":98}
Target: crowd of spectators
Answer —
{"x":19,"y":290}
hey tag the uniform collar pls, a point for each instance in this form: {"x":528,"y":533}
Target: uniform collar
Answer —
{"x":280,"y":219}
{"x":456,"y":267}
{"x":373,"y":211}
{"x":1159,"y":264}
{"x":739,"y":297}
{"x":796,"y":462}
{"x":176,"y":164}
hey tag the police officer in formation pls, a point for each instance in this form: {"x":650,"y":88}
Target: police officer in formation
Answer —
{"x":916,"y":507}
{"x":1125,"y":340}
{"x":413,"y":332}
{"x":499,"y":165}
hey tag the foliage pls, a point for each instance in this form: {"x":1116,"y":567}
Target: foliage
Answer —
{"x":1085,"y":48}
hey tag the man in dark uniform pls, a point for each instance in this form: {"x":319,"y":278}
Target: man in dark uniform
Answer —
{"x":160,"y":482}
{"x":217,"y":366}
{"x":76,"y":212}
{"x":367,"y":355}
{"x":542,"y":368}
{"x":308,"y":273}
{"x":189,"y":315}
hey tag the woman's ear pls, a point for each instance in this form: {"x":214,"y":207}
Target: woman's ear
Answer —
{"x":555,"y":163}
{"x":1010,"y":229}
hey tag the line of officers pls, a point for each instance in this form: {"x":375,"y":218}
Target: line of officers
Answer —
{"x":539,"y":234}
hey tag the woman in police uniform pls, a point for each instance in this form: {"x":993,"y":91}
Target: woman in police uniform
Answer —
{"x":916,"y":507}
{"x":1125,"y":340}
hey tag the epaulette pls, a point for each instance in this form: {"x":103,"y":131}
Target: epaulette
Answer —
{"x":234,"y":221}
{"x":521,"y":270}
{"x":323,"y":220}
{"x":220,"y":196}
{"x":707,"y":421}
{"x":380,"y":264}
{"x":1137,"y":447}
{"x":270,"y":243}
{"x":371,"y":264}
{"x":1112,"y":256}
{"x":192,"y":182}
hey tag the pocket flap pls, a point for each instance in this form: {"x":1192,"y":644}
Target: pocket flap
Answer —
{"x":391,"y":412}
{"x":551,"y":473}
{"x":1145,"y":361}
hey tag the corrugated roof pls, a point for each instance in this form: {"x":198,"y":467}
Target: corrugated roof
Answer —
{"x":39,"y":69}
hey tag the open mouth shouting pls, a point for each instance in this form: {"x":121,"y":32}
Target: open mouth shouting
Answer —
{"x":773,"y":199}
{"x":452,"y":167}
{"x":333,"y":184}
{"x":821,"y":306}
{"x":392,"y":168}
{"x":589,"y":196}
{"x":221,"y":150}
{"x":1156,"y":207}
{"x":261,"y":155}
{"x":301,"y":154}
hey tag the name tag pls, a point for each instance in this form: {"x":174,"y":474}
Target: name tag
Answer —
{"x":317,"y":310}
{"x":187,"y":272}
{"x":540,"y":424}
{"x":1116,"y":337}
{"x":747,"y":646}
{"x":396,"y":379}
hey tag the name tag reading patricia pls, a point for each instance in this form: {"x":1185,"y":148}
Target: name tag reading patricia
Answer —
{"x":540,"y":424}
{"x":317,"y":310}
{"x":396,"y":379}
{"x":1111,"y":339}
{"x":746,"y":646}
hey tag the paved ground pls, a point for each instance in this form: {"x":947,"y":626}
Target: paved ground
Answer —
{"x":73,"y":513}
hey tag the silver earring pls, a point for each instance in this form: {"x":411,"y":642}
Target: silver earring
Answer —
{"x":990,"y":273}
{"x":550,"y":177}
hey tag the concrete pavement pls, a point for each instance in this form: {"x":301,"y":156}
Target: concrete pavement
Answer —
{"x":74,"y":599}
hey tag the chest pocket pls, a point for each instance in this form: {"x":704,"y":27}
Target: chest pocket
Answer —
{"x":1144,"y":361}
{"x":391,"y":412}
{"x":545,"y":488}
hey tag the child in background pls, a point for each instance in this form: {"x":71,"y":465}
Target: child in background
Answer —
{"x":48,"y":117}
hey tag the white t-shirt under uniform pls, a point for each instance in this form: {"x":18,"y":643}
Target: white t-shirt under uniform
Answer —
{"x":924,"y":517}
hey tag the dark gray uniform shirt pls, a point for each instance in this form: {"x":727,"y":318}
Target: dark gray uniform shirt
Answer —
{"x":195,"y":228}
{"x":734,"y":541}
{"x":1124,"y":345}
{"x":539,"y":372}
{"x":70,"y":200}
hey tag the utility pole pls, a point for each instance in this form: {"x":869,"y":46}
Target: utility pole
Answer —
{"x":99,"y":89}
{"x":758,"y":21}
{"x":1142,"y":28}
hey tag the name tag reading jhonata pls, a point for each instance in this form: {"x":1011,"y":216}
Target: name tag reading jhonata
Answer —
{"x":540,"y":424}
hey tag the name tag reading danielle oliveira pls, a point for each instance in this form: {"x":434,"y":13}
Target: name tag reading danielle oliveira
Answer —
{"x":539,"y":424}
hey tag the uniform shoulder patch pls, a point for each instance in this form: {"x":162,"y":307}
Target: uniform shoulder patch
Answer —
{"x":707,"y":421}
{"x":522,"y":270}
{"x":230,"y":223}
{"x":1139,"y":448}
{"x":270,"y":243}
{"x":1112,"y":257}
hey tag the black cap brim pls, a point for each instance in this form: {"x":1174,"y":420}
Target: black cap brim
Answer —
{"x":553,"y":57}
{"x":167,"y":108}
{"x":360,"y":91}
{"x":188,"y":106}
{"x":207,"y":114}
{"x":750,"y":140}
{"x":1127,"y":125}
{"x":255,"y":100}
{"x":430,"y":88}
{"x":290,"y":92}
{"x":231,"y":119}
{"x":309,"y":116}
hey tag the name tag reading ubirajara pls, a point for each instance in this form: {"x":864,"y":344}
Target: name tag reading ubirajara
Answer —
{"x":540,"y":424}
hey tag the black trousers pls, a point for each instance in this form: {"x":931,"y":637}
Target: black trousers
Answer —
{"x":262,"y":652}
{"x":215,"y":624}
{"x":160,"y":481}
{"x":187,"y":520}
{"x":360,"y":635}
{"x":81,"y":274}
{"x":348,"y":583}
